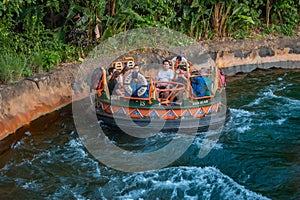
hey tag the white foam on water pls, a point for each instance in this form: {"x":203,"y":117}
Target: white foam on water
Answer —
{"x":177,"y":183}
{"x":18,"y":144}
{"x":262,"y":96}
{"x":269,"y":93}
{"x":27,"y":133}
{"x":208,"y":141}
{"x":268,"y":122}
{"x":243,"y":129}
{"x":237,"y":113}
{"x":241,"y":119}
{"x":31,"y":185}
{"x":75,"y":143}
{"x":254,"y":103}
{"x":7,"y":166}
{"x":281,"y":121}
{"x":270,"y":90}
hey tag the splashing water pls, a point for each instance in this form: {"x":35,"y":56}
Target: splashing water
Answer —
{"x":256,"y":157}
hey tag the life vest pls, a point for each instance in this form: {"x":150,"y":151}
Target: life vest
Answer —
{"x":136,"y":89}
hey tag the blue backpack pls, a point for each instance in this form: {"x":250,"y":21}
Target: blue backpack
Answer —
{"x":199,"y":86}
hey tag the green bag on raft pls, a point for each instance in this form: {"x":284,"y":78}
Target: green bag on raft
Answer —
{"x":209,"y":85}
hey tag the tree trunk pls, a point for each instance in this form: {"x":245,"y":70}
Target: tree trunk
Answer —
{"x":224,"y":19}
{"x":220,"y":18}
{"x":268,"y":9}
{"x":216,"y":20}
{"x":110,"y":8}
{"x":280,"y":17}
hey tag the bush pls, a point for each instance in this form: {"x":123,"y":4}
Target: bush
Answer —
{"x":12,"y":67}
{"x":44,"y":33}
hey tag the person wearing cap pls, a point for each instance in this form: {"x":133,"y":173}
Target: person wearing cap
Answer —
{"x":179,"y":60}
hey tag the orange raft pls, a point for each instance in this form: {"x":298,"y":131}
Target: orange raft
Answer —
{"x":146,"y":108}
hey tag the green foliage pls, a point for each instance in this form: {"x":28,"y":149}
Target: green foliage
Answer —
{"x":194,"y":19}
{"x":12,"y":67}
{"x":24,"y":32}
{"x":43,"y":33}
{"x":270,"y":29}
{"x":243,"y":18}
{"x":286,"y":16}
{"x":50,"y":58}
{"x":44,"y":60}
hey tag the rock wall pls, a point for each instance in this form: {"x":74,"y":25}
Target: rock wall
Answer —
{"x":24,"y":101}
{"x":29,"y":99}
{"x":247,"y":55}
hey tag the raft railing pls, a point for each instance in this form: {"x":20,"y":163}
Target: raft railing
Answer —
{"x":176,"y":87}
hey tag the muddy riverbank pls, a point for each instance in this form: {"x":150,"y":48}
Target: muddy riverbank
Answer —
{"x":33,"y":97}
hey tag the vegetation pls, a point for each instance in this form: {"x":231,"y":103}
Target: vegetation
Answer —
{"x":36,"y":35}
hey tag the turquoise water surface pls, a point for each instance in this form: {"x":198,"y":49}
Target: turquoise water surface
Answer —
{"x":256,"y":157}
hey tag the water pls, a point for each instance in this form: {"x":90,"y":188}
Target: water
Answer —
{"x":256,"y":157}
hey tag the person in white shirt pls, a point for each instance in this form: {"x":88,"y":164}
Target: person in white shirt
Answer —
{"x":164,"y":76}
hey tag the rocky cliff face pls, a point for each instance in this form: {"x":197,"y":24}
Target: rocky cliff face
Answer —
{"x":29,"y":99}
{"x":246,"y":56}
{"x":22,"y":102}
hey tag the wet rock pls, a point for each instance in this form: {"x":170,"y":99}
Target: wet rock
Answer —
{"x":295,"y":50}
{"x":33,"y":97}
{"x":238,"y":53}
{"x":265,"y":51}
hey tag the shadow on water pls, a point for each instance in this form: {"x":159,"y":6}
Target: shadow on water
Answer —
{"x":48,"y":126}
{"x":134,"y":144}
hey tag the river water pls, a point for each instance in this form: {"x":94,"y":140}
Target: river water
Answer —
{"x":256,"y":157}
